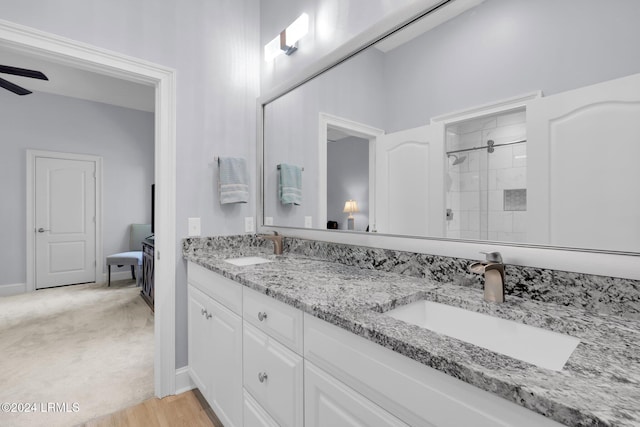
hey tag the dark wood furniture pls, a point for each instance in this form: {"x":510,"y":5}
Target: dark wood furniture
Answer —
{"x":147,"y":271}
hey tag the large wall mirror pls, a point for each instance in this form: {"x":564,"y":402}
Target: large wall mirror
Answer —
{"x":500,"y":121}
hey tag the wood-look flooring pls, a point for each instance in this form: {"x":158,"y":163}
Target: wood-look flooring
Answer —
{"x":188,"y":409}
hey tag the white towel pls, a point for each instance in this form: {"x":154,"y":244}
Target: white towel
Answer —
{"x":233,"y":184}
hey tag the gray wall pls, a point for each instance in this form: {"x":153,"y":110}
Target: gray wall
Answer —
{"x":505,"y":48}
{"x":121,"y":136}
{"x":215,"y":47}
{"x":348,"y":178}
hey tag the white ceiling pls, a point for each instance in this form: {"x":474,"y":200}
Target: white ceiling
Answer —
{"x":76,"y":83}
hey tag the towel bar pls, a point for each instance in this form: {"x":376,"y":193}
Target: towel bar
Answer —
{"x":302,"y":169}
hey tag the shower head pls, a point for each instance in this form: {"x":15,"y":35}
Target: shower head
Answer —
{"x":456,"y":160}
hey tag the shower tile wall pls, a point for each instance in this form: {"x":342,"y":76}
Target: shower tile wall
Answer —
{"x":476,"y":185}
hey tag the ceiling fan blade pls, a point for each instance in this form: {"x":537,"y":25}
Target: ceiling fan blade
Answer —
{"x":13,"y":88}
{"x":22,"y":72}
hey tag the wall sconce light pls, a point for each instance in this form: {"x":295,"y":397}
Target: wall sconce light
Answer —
{"x":287,"y":41}
{"x":350,"y":206}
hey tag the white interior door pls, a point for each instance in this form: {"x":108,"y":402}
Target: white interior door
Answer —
{"x":409,"y":182}
{"x":65,"y":228}
{"x":583,"y":153}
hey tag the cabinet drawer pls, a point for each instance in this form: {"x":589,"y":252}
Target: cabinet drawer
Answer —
{"x":415,"y":393}
{"x":275,"y":318}
{"x":225,"y":291}
{"x":273,"y":375}
{"x":255,"y":415}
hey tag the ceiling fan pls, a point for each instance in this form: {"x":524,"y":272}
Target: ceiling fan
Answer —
{"x":5,"y":69}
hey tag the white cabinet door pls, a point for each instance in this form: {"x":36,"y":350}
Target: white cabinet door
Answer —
{"x":215,"y":355}
{"x":255,"y":415}
{"x":200,"y":344}
{"x":273,"y":376}
{"x":329,"y":403}
{"x":225,"y":395}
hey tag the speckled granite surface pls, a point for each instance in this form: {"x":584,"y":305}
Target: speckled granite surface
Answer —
{"x":589,"y":292}
{"x":593,"y":293}
{"x":599,"y":385}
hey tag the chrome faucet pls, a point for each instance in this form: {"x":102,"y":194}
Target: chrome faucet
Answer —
{"x":493,"y":271}
{"x":276,"y":239}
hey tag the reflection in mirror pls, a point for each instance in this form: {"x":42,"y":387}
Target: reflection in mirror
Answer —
{"x":505,"y":122}
{"x":486,"y":178}
{"x":347,"y":180}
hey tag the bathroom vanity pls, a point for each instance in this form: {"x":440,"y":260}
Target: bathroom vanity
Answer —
{"x":302,"y":340}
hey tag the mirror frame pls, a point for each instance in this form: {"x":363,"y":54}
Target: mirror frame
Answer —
{"x":580,"y":260}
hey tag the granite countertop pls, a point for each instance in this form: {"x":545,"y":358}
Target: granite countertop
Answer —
{"x":599,"y":384}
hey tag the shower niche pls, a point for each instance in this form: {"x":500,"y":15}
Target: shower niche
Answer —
{"x":486,"y":178}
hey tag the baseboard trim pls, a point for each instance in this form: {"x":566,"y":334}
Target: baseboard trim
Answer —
{"x":12,"y":289}
{"x":183,"y":380}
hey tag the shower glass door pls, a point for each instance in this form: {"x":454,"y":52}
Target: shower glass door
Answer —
{"x":485,"y":178}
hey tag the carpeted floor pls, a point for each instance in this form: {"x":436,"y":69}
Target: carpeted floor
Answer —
{"x":70,"y":354}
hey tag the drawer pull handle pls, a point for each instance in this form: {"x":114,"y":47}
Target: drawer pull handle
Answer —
{"x":203,"y":311}
{"x":262,"y":376}
{"x":262,"y":315}
{"x":208,"y":316}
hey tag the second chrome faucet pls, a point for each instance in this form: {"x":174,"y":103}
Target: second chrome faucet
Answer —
{"x":493,"y":271}
{"x":276,"y":239}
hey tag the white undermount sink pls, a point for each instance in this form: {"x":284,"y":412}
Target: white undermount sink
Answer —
{"x":247,"y":260}
{"x":537,"y":346}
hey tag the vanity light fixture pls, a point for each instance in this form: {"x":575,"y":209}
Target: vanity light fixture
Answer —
{"x":350,"y":206}
{"x":287,"y":41}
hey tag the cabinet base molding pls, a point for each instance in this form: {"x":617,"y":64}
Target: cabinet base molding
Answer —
{"x":183,"y":380}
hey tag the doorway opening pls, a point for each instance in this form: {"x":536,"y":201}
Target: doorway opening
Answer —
{"x":347,"y":159}
{"x":82,"y":56}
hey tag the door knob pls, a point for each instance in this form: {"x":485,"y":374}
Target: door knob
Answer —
{"x":262,"y":315}
{"x":42,"y":230}
{"x":262,"y":376}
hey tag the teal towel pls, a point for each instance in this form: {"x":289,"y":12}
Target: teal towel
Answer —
{"x":233,"y":184}
{"x":290,"y":185}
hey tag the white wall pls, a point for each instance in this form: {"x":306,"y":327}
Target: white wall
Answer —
{"x":214,"y":46}
{"x":121,"y":136}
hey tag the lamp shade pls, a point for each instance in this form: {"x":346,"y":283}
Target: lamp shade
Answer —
{"x":298,"y":29}
{"x":272,"y":49}
{"x":351,"y":206}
